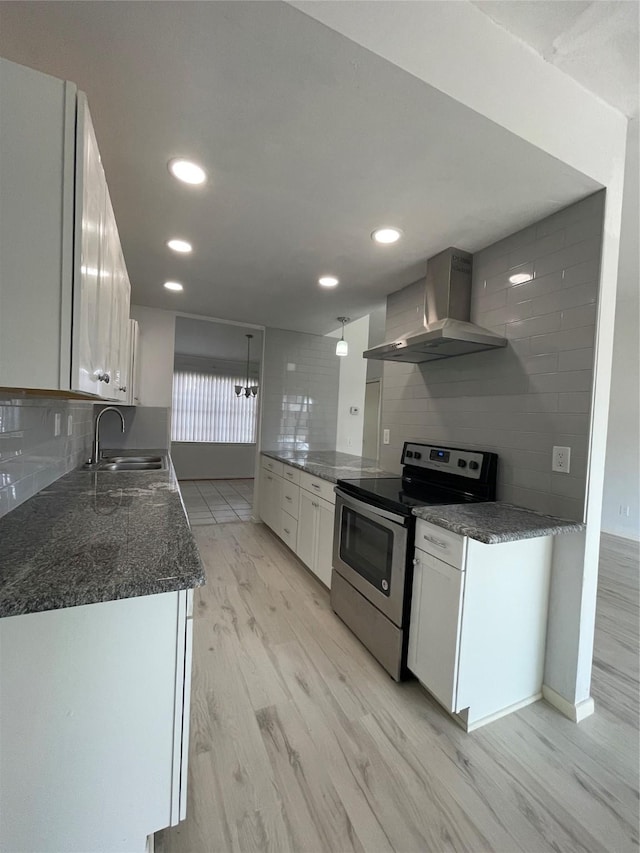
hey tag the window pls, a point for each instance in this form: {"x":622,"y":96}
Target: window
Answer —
{"x":206,"y":408}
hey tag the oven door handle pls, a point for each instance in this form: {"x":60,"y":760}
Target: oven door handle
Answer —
{"x":370,"y":510}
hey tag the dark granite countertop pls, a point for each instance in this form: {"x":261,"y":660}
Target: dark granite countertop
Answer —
{"x":329,"y":464}
{"x":97,"y":536}
{"x":493,"y":522}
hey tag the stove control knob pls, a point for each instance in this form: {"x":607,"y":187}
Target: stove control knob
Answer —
{"x":473,"y":465}
{"x":417,"y":455}
{"x":409,"y":454}
{"x":462,"y":463}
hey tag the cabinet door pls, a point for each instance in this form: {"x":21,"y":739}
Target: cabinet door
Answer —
{"x":307,"y":531}
{"x":270,"y":500}
{"x":434,"y":631}
{"x":88,"y":350}
{"x":119,"y":336}
{"x":324,"y":548}
{"x":275,"y":504}
{"x":264,"y":495}
{"x":37,"y":159}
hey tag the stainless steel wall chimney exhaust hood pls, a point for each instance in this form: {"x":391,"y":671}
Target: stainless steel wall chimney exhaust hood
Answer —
{"x":446,"y":331}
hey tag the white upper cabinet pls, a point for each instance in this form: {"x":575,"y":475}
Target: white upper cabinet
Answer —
{"x":64,"y":288}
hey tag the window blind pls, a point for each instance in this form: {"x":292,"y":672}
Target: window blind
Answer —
{"x":206,"y":408}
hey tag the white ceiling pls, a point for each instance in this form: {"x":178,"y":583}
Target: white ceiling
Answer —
{"x":206,"y":339}
{"x":596,"y":43}
{"x":310,"y":142}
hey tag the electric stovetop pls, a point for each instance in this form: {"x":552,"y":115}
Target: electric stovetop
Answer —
{"x":432,"y":475}
{"x":396,"y":496}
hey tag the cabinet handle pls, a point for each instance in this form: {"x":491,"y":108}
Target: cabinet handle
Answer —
{"x":313,"y":503}
{"x":315,"y":485}
{"x":287,"y":531}
{"x":269,"y":478}
{"x":287,"y":498}
{"x":103,"y":377}
{"x":416,"y":561}
{"x":123,"y":388}
{"x":434,"y":541}
{"x":288,"y":474}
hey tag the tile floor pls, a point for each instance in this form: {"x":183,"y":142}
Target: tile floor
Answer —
{"x":217,"y":501}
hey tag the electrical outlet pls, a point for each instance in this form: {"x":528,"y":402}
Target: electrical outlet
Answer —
{"x":561,"y":459}
{"x":623,"y":510}
{"x":385,"y":436}
{"x":69,"y":424}
{"x":57,"y":424}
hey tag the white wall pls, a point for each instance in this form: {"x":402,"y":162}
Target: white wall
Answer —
{"x":204,"y":461}
{"x":622,"y":471}
{"x":156,"y":336}
{"x":351,"y":391}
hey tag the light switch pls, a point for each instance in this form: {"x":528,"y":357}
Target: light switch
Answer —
{"x":57,"y":424}
{"x":69,"y":424}
{"x":385,"y":436}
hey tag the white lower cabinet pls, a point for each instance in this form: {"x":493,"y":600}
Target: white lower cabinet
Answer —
{"x":307,"y":520}
{"x":436,"y":613}
{"x":478,"y":622}
{"x":299,"y":508}
{"x":315,"y":535}
{"x":271,"y":500}
{"x":95,"y":724}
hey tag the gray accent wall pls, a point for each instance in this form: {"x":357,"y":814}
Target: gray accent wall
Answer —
{"x":536,"y":393}
{"x":31,"y":455}
{"x":299,"y":397}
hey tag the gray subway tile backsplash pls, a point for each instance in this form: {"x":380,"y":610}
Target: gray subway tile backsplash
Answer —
{"x":299,"y":397}
{"x":536,"y":393}
{"x":32,"y":456}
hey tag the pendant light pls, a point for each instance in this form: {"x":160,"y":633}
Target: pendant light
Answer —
{"x":342,"y":347}
{"x":248,"y":390}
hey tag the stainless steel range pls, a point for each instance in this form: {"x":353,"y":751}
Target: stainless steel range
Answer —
{"x":373,"y":540}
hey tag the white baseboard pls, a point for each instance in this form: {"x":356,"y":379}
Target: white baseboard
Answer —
{"x":463,"y":717}
{"x":577,"y":712}
{"x":628,"y":535}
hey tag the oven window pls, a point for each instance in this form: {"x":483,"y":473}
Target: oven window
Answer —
{"x":367,"y":547}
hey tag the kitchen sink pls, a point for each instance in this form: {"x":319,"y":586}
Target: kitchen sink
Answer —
{"x":132,"y":459}
{"x":139,"y":462}
{"x":107,"y":465}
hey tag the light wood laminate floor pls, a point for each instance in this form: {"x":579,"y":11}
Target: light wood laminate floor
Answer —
{"x":301,"y":742}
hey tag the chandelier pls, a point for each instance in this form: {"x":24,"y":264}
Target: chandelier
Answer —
{"x":248,"y":390}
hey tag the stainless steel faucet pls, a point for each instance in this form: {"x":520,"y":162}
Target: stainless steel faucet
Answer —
{"x":95,"y":456}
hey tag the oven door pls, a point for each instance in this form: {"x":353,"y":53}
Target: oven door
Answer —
{"x":370,"y":552}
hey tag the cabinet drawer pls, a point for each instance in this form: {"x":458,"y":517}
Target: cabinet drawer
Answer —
{"x":272,"y":465}
{"x":317,"y":486}
{"x":291,"y":475}
{"x":289,"y":530}
{"x":290,"y":498}
{"x":441,"y":543}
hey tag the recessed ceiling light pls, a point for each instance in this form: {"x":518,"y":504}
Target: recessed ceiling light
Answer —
{"x":185,"y":170}
{"x":181,"y":246}
{"x":386,"y":235}
{"x":173,"y":285}
{"x":520,"y":278}
{"x":328,"y":281}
